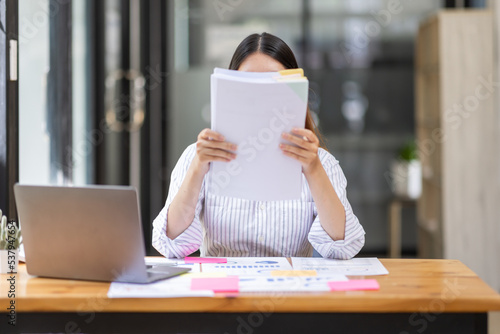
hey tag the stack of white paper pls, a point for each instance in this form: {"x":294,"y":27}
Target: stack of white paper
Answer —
{"x":252,"y":110}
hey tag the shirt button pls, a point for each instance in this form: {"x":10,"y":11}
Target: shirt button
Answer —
{"x":262,"y":207}
{"x":261,"y":238}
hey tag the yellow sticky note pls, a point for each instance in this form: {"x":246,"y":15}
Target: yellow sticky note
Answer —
{"x":291,"y":273}
{"x":292,"y":71}
{"x":205,"y":275}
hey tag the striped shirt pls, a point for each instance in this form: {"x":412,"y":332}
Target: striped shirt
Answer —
{"x":226,"y":226}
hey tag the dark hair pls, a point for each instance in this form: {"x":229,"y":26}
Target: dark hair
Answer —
{"x":267,"y":44}
{"x":277,"y":49}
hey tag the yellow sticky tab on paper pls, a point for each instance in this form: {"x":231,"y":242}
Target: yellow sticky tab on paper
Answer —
{"x":205,"y":275}
{"x":292,"y":273}
{"x":292,"y":71}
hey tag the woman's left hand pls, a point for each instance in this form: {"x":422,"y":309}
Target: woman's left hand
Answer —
{"x":306,"y":151}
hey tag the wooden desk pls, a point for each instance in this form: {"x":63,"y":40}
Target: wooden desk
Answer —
{"x":418,"y":296}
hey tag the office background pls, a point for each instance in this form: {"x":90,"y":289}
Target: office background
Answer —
{"x":111,"y":92}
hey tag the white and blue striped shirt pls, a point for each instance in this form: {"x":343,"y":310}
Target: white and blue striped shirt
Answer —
{"x":226,"y":226}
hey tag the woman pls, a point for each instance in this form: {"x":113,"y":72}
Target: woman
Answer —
{"x":193,"y":217}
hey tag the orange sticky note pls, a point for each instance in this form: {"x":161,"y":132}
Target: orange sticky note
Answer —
{"x":355,"y":284}
{"x":205,"y":260}
{"x":293,"y":273}
{"x":216,"y":284}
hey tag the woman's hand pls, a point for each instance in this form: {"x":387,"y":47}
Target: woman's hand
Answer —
{"x":211,"y":146}
{"x":306,"y":151}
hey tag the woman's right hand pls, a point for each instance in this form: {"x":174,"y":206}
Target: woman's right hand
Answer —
{"x":211,"y":146}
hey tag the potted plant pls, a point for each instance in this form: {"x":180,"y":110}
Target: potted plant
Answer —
{"x":406,"y":172}
{"x":10,"y":239}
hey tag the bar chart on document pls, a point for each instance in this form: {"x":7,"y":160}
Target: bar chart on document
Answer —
{"x":251,"y":266}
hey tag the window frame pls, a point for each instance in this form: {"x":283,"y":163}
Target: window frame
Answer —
{"x":9,"y":107}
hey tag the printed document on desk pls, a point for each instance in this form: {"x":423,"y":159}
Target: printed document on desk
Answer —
{"x":353,"y":267}
{"x":249,"y":266}
{"x":174,"y":287}
{"x":252,"y":110}
{"x":288,"y":284}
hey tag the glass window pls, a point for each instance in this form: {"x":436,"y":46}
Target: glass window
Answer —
{"x":35,"y":137}
{"x":83,"y":139}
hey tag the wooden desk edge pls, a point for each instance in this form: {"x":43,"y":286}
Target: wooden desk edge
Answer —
{"x":96,"y":300}
{"x":263,"y":304}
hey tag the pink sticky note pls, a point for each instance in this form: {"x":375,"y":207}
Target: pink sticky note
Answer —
{"x":216,"y":284}
{"x":205,"y":260}
{"x":355,"y":284}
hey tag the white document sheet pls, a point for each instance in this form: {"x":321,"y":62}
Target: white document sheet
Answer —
{"x":253,"y":113}
{"x":249,"y":266}
{"x":179,"y":286}
{"x":287,"y":284}
{"x":354,"y":267}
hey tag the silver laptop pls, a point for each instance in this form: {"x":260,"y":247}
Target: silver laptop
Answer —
{"x":89,"y":233}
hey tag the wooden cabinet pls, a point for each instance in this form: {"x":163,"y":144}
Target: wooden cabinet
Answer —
{"x":458,"y":138}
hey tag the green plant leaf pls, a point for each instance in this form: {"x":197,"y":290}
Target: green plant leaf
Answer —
{"x":408,"y":152}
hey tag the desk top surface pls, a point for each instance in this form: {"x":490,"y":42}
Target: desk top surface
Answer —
{"x":413,"y":285}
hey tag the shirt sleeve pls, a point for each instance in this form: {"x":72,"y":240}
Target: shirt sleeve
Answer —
{"x":354,"y":233}
{"x":190,"y":240}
